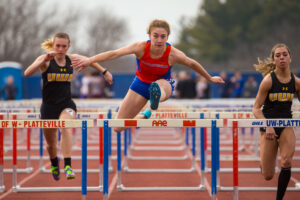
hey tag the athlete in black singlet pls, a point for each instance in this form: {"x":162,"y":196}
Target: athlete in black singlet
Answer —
{"x":56,"y":102}
{"x":276,"y":93}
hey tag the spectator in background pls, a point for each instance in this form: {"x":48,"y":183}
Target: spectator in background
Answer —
{"x":174,"y":76}
{"x":186,"y":86}
{"x":75,"y":86}
{"x":85,"y":84}
{"x":226,"y":89}
{"x":9,"y":89}
{"x":108,"y":90}
{"x":238,"y":84}
{"x":250,"y":88}
{"x":202,"y":88}
{"x":96,"y":86}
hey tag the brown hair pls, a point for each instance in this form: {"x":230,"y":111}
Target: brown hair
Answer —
{"x":48,"y":44}
{"x":267,"y":65}
{"x":159,"y":24}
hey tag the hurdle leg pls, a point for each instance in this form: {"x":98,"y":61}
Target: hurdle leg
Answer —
{"x":2,"y":186}
{"x":84,"y":161}
{"x":235,"y":152}
{"x":125,"y":151}
{"x":29,"y":168}
{"x":41,"y":150}
{"x":101,"y":154}
{"x":187,"y":140}
{"x":202,"y":158}
{"x":194,"y":148}
{"x":14,"y":181}
{"x":119,"y":159}
{"x":105,"y":161}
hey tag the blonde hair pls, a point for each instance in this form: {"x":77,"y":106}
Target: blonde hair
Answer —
{"x":267,"y":65}
{"x":159,"y":24}
{"x":47,"y":45}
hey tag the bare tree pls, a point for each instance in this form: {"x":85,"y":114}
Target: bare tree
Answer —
{"x":105,"y":31}
{"x":24,"y":26}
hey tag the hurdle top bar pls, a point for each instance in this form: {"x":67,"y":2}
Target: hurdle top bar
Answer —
{"x":158,"y":115}
{"x":44,"y":123}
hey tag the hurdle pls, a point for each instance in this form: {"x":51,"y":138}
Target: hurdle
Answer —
{"x":235,"y":124}
{"x":83,"y":124}
{"x":36,"y":116}
{"x":147,"y":123}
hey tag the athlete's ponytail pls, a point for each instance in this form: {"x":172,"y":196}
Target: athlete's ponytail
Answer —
{"x":267,"y":66}
{"x":48,"y":44}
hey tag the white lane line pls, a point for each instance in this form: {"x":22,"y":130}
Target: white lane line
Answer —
{"x":114,"y":181}
{"x":24,"y":180}
{"x":206,"y":183}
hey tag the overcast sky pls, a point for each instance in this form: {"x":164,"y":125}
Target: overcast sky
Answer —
{"x":139,"y":13}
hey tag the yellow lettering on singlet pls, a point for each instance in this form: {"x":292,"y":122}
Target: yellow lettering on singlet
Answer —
{"x":66,"y":77}
{"x":283,"y":97}
{"x":62,"y":77}
{"x":51,"y":77}
{"x":57,"y":77}
{"x":70,"y":77}
{"x":291,"y":97}
{"x":273,"y":96}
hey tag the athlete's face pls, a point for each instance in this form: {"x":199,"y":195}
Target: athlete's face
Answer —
{"x":61,"y":46}
{"x":158,"y":37}
{"x":282,"y":57}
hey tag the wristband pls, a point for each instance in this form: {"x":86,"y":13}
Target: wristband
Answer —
{"x":104,"y":72}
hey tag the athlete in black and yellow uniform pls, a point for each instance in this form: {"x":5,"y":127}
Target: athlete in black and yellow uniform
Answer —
{"x":275,"y":94}
{"x":279,"y":100}
{"x":56,"y":70}
{"x":57,"y":80}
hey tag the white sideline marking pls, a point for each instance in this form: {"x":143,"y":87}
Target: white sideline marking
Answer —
{"x":207,"y":185}
{"x":24,"y":181}
{"x":114,"y":181}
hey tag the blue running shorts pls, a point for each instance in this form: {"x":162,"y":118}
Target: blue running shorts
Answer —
{"x":142,"y":88}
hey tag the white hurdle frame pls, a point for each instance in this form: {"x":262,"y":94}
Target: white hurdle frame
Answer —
{"x":150,"y":123}
{"x":50,"y":124}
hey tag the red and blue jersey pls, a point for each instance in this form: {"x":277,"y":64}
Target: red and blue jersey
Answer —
{"x":149,"y":70}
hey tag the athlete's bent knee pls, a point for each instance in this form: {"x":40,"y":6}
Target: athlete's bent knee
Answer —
{"x":268,"y":175}
{"x":286,"y":162}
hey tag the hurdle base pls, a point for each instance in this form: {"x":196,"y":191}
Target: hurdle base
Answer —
{"x":130,"y":170}
{"x":257,"y":189}
{"x":25,"y":170}
{"x":2,"y":188}
{"x":44,"y":170}
{"x":55,"y":189}
{"x":130,"y":157}
{"x":123,"y":188}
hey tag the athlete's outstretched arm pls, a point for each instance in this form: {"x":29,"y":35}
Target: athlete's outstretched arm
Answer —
{"x":81,"y":62}
{"x":107,"y":76}
{"x":39,"y":63}
{"x":177,"y":56}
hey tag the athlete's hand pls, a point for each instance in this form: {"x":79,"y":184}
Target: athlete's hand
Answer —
{"x":108,"y":78}
{"x":49,"y":56}
{"x":270,"y":133}
{"x":217,"y":80}
{"x":80,"y":62}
